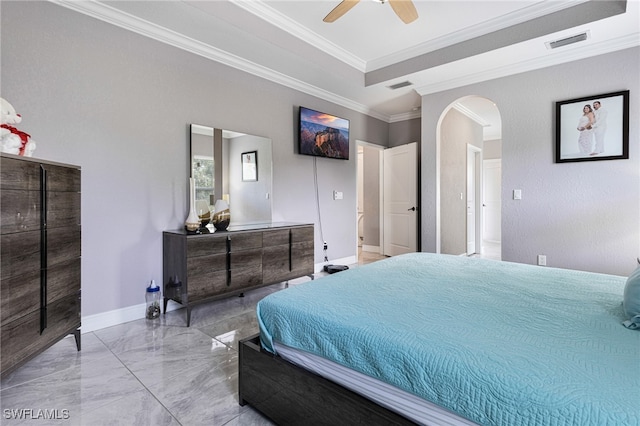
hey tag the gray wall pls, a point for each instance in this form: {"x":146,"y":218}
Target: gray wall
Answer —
{"x":404,"y":132}
{"x":583,"y":215}
{"x":492,"y":149}
{"x":119,"y":105}
{"x":458,"y":130}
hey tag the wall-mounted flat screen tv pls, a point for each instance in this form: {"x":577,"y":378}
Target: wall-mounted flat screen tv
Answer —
{"x":323,"y":135}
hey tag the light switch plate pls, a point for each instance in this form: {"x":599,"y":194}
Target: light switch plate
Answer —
{"x":517,"y":194}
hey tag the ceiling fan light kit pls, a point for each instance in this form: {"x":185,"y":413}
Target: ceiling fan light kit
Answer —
{"x":405,"y":10}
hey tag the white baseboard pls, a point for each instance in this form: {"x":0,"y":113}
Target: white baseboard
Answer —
{"x":131,"y":313}
{"x":372,"y":249}
{"x":118,"y":316}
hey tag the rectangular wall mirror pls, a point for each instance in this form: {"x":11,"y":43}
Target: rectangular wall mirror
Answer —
{"x":216,"y":158}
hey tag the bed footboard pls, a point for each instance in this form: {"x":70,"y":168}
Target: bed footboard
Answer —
{"x":290,"y":395}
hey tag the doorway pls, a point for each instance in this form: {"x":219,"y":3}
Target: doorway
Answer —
{"x":470,"y":121}
{"x":369,"y":225}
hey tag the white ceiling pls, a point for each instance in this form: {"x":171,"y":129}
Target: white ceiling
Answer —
{"x":353,"y":60}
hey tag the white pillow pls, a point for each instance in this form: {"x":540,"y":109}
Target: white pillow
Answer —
{"x":631,"y":300}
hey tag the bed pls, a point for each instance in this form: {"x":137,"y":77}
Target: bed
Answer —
{"x":437,"y":339}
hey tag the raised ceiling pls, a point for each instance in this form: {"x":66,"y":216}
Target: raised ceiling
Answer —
{"x":354,"y":60}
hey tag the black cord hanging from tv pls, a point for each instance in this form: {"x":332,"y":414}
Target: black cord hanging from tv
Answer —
{"x":327,"y":268}
{"x":315,"y":184}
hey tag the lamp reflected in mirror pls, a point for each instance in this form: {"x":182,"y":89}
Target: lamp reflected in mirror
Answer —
{"x":204,"y":212}
{"x":221,"y":215}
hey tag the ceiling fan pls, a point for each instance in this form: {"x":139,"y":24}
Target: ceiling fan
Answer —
{"x":403,"y":8}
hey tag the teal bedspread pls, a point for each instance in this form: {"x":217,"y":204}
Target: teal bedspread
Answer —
{"x":495,"y":342}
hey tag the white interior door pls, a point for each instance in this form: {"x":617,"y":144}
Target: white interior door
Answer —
{"x":400,"y":205}
{"x":492,"y":184}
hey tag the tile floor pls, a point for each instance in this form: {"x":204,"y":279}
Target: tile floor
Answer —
{"x":491,"y":250}
{"x":144,"y":372}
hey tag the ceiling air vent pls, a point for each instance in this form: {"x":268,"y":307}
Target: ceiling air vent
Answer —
{"x":399,"y":85}
{"x":569,"y":40}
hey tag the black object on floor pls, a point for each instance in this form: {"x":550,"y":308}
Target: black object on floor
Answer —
{"x":332,"y":269}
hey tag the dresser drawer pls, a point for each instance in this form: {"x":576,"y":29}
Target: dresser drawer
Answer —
{"x":248,"y":276}
{"x":20,"y":211}
{"x":244,"y":241}
{"x":239,"y":259}
{"x":206,"y":284}
{"x":275,"y":263}
{"x":304,"y":233}
{"x":18,"y":174}
{"x":20,"y":295}
{"x":275,"y":238}
{"x":24,"y":255}
{"x":206,"y":245}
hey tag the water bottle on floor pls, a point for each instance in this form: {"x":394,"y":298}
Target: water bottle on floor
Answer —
{"x":153,"y":301}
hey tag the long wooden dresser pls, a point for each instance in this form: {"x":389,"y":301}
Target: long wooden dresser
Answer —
{"x":40,"y":250}
{"x":199,"y":268}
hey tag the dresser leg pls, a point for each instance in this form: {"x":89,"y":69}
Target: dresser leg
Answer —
{"x":188,"y":316}
{"x":76,"y":334}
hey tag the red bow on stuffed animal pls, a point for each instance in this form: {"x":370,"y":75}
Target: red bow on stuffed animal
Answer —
{"x":24,"y":137}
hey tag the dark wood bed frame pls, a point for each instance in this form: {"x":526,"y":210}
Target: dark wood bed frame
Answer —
{"x":290,"y":395}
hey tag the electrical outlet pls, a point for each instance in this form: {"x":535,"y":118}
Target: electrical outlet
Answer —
{"x":542,"y":260}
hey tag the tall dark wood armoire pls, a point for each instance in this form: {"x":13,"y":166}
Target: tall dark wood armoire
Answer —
{"x":40,"y":248}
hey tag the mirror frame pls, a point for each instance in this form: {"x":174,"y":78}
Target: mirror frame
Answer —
{"x":249,"y":200}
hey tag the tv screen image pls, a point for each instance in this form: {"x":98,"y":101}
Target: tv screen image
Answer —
{"x":323,"y":135}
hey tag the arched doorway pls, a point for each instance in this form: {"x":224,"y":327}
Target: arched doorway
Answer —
{"x":469,"y":162}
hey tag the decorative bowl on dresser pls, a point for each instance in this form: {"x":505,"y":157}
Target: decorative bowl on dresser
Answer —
{"x":40,"y":249}
{"x":199,"y":268}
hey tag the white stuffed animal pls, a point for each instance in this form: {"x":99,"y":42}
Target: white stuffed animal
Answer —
{"x":12,"y":140}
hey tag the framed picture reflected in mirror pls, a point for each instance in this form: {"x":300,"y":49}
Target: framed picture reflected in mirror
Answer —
{"x":250,"y":166}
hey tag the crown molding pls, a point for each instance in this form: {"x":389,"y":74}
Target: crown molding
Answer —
{"x":405,"y":116}
{"x":283,"y":22}
{"x":556,"y":58}
{"x":472,"y":115}
{"x":145,"y":28}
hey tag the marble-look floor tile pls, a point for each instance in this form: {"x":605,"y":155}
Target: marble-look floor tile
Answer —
{"x":135,"y":334}
{"x":189,"y":350}
{"x":84,"y":388}
{"x":61,"y":356}
{"x":140,"y":408}
{"x":250,"y":417}
{"x":203,"y":395}
{"x":144,"y":372}
{"x":231,"y":330}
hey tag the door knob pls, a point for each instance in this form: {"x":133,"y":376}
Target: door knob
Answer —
{"x":413,"y":209}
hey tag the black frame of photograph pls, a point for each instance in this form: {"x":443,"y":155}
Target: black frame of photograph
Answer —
{"x":614,"y":135}
{"x":253,"y":177}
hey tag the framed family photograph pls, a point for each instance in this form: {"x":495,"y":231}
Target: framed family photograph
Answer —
{"x":593,"y":128}
{"x":250,"y":166}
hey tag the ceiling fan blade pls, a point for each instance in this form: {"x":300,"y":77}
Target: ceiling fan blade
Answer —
{"x":405,"y":10}
{"x":341,"y":9}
